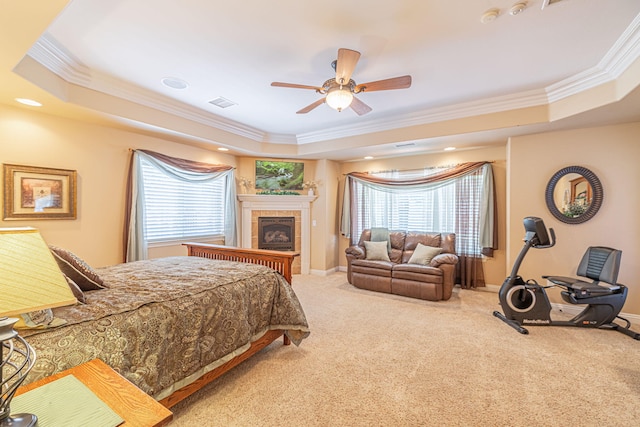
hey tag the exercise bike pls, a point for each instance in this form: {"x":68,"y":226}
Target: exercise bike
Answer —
{"x":526,"y":303}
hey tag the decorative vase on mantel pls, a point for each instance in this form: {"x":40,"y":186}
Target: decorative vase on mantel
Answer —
{"x":310,"y":192}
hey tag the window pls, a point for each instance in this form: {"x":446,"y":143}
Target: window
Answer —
{"x":176,"y":209}
{"x":171,"y":199}
{"x":448,"y":206}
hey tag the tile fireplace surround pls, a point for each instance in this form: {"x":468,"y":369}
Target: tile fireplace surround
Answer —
{"x":254,"y":205}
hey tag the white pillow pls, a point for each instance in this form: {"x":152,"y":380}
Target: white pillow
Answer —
{"x":424,"y":254}
{"x":376,"y":251}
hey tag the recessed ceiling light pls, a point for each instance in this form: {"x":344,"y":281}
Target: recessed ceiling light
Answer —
{"x":518,"y":8}
{"x":175,"y":83}
{"x":449,"y":148}
{"x":223,"y":149}
{"x":490,"y":15}
{"x":29,"y":102}
{"x":368,"y":157}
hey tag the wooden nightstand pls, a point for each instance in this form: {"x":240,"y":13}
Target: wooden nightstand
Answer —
{"x":137,"y":408}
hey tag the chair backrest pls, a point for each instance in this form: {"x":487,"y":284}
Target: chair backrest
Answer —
{"x":600,"y":263}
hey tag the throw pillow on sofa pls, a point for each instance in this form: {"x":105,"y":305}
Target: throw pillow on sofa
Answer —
{"x":376,"y":251}
{"x":424,"y":254}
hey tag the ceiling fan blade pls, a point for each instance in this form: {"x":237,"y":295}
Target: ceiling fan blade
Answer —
{"x":296,"y":86}
{"x":346,"y":63}
{"x":388,"y":84}
{"x":310,"y":107}
{"x":359,"y":107}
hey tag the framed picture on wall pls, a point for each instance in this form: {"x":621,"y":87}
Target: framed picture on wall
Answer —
{"x":32,"y":192}
{"x":277,"y":175}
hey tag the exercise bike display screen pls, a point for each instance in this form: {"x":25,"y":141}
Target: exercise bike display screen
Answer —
{"x":536,"y":226}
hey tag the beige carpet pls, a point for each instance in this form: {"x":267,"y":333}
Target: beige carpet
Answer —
{"x":381,"y":360}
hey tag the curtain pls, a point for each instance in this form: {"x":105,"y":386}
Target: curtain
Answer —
{"x":474,"y":210}
{"x":135,"y":246}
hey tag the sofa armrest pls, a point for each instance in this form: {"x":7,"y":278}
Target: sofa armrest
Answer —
{"x":356,"y":251}
{"x":353,"y":252}
{"x":440,"y":259}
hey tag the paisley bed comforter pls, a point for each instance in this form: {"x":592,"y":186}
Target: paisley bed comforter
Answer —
{"x":162,"y":323}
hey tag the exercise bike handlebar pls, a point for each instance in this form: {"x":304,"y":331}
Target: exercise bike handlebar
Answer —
{"x":536,"y":237}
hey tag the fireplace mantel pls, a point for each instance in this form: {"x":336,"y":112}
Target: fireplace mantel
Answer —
{"x":270,"y":200}
{"x":263,"y":202}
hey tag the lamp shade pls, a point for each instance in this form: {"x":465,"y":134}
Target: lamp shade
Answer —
{"x":30,"y":278}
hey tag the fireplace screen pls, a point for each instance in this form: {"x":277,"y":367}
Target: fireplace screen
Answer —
{"x":276,"y":233}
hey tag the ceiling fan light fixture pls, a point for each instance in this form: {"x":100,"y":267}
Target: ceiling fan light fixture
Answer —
{"x":339,"y":98}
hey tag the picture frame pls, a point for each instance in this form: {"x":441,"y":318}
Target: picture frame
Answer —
{"x":279,"y":175}
{"x":32,"y":192}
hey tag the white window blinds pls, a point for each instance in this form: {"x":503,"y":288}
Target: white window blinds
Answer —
{"x":178,"y":210}
{"x":453,"y":207}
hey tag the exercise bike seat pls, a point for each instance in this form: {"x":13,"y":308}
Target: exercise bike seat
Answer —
{"x":600,"y":264}
{"x":583,"y":289}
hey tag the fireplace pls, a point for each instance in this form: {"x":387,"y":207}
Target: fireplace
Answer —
{"x":276,"y":233}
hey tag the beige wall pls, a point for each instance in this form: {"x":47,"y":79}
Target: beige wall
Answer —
{"x":610,"y":152}
{"x":494,"y":267}
{"x":324,"y":234}
{"x":100,"y":156}
{"x":522,"y":169}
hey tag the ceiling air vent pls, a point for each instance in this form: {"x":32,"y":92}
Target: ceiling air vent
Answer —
{"x":222,"y":102}
{"x":406,"y":144}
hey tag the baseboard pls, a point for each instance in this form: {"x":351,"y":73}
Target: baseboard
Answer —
{"x":566,"y":308}
{"x":323,"y":272}
{"x":489,"y":288}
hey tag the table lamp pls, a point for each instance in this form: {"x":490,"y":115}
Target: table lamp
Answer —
{"x":30,"y":280}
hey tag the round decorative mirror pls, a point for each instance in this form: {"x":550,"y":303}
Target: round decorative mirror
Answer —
{"x":574,"y":195}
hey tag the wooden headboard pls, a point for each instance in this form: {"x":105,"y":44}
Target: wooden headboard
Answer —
{"x":278,"y":260}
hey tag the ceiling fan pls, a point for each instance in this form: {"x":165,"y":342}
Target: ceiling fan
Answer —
{"x":340,"y":90}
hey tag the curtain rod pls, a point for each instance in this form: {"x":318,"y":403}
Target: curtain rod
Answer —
{"x":419,"y":169}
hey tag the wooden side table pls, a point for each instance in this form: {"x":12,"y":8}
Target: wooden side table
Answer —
{"x":136,"y":408}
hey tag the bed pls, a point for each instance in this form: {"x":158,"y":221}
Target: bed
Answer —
{"x":172,"y":325}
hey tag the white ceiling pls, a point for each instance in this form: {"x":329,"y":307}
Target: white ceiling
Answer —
{"x":234,"y":49}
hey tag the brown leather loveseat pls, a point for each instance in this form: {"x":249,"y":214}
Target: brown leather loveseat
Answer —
{"x":430,"y":275}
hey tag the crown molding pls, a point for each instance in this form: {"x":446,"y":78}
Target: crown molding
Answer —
{"x":52,"y":55}
{"x":624,"y":51}
{"x":56,"y":58}
{"x":48,"y":52}
{"x":622,"y":54}
{"x":120,"y":89}
{"x":432,"y":115}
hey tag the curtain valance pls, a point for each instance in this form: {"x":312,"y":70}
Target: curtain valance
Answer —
{"x":135,"y":244}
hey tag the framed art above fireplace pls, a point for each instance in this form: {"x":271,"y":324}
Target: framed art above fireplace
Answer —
{"x":277,"y":175}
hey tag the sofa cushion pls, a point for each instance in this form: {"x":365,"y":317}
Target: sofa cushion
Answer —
{"x":374,"y":268}
{"x":376,"y":251}
{"x":423,"y":254}
{"x":413,"y":238}
{"x":417,"y":272}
